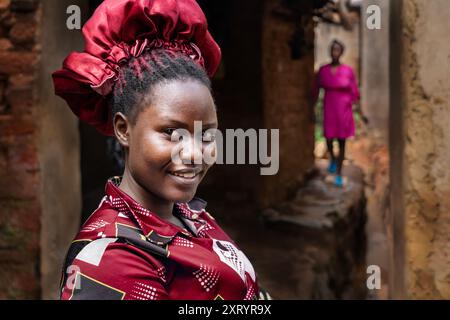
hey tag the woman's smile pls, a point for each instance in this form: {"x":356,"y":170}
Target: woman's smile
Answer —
{"x":187,"y":176}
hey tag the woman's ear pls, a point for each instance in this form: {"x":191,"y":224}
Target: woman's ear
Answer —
{"x":122,"y":129}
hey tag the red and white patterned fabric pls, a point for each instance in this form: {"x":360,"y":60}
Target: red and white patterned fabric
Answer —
{"x":126,"y":252}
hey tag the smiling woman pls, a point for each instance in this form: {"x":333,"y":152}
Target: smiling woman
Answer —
{"x":142,"y":76}
{"x":157,"y":94}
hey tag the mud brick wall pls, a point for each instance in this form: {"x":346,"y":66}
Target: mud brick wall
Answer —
{"x":40,"y":198}
{"x":19,"y":165}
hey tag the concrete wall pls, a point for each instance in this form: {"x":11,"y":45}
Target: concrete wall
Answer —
{"x":420,"y":149}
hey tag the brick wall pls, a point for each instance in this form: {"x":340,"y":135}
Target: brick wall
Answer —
{"x":19,"y":166}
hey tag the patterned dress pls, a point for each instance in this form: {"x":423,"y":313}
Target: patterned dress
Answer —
{"x":126,"y":252}
{"x":341,"y":91}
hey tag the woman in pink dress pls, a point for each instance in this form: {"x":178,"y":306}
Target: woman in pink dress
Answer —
{"x":341,"y":91}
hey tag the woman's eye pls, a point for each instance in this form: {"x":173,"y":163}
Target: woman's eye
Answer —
{"x":173,"y":134}
{"x":208,"y":136}
{"x":169,"y":131}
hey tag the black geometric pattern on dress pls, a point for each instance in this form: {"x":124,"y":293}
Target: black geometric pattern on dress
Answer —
{"x":74,"y":250}
{"x":137,"y":238}
{"x":90,"y":289}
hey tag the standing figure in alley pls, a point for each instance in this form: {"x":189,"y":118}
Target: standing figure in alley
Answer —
{"x":341,"y":92}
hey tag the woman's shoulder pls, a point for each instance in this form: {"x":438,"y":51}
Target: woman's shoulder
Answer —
{"x":107,"y":242}
{"x":91,"y":264}
{"x":102,"y":222}
{"x":347,"y":67}
{"x":324,"y":66}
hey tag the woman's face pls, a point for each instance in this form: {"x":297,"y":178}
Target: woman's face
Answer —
{"x":336,"y":52}
{"x":174,"y":105}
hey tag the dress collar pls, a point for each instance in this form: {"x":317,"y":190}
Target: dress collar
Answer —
{"x":150,"y":223}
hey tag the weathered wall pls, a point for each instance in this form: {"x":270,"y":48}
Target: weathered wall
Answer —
{"x":39,"y":196}
{"x":375,"y":71}
{"x":420,"y":169}
{"x":58,"y":146}
{"x":286,"y":92}
{"x":20,"y":207}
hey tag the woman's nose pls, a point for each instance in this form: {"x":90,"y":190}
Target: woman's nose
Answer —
{"x":192,"y":151}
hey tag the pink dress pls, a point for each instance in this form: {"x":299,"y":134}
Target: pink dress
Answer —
{"x":341,"y":91}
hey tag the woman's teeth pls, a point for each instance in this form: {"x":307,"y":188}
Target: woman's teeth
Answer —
{"x":185,"y":175}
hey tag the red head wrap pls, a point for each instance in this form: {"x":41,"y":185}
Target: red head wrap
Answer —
{"x":119,"y":30}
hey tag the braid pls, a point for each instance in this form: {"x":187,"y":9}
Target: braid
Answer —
{"x":137,"y":78}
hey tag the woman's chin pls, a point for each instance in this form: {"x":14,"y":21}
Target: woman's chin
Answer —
{"x":183,"y":196}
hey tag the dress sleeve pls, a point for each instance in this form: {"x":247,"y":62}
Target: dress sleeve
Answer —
{"x":108,"y":270}
{"x":354,"y":87}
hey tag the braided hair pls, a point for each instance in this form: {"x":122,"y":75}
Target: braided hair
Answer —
{"x":137,"y":78}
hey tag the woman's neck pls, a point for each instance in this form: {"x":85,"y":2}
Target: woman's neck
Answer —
{"x":162,"y":208}
{"x":336,"y":63}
